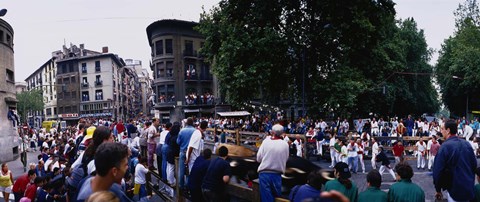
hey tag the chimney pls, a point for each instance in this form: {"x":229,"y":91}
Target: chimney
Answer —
{"x":105,"y":49}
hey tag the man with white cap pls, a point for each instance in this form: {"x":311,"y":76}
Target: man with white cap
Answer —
{"x":272,"y":156}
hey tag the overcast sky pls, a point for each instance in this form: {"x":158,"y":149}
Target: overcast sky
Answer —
{"x":42,"y":27}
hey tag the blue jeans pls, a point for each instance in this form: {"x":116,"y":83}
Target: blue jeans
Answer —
{"x":270,"y":186}
{"x":353,"y":162}
{"x":181,"y":169}
{"x":409,"y":131}
{"x":164,"y":161}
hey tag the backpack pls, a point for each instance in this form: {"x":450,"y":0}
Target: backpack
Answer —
{"x":79,"y":174}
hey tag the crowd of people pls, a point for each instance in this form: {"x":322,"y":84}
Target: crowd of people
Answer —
{"x":100,"y":159}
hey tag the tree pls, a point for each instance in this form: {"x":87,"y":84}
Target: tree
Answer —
{"x":460,"y":58}
{"x":29,"y":101}
{"x":338,"y":52}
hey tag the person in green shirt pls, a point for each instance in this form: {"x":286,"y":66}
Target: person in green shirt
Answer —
{"x":373,"y":192}
{"x":404,"y":190}
{"x":342,"y":182}
{"x":477,"y":186}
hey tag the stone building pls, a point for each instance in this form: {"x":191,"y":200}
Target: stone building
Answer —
{"x":182,"y":83}
{"x":9,"y":143}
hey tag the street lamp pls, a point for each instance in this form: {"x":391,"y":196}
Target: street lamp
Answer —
{"x":3,"y":12}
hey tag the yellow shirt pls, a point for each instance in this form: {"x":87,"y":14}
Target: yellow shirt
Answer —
{"x":5,"y":179}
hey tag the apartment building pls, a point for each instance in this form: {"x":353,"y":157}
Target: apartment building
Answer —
{"x":182,"y":82}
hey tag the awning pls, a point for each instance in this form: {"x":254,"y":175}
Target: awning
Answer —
{"x":191,"y":110}
{"x":11,"y":100}
{"x":235,"y":113}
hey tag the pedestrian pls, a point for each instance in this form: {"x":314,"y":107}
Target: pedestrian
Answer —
{"x":373,"y":192}
{"x":140,"y":179}
{"x":374,"y":152}
{"x":153,"y":139}
{"x":195,"y":145}
{"x":6,"y":181}
{"x":454,"y":166}
{"x":183,"y":140}
{"x":382,"y":157}
{"x":161,"y":152}
{"x":217,"y":177}
{"x":434,"y":147}
{"x":21,"y":184}
{"x":360,"y":154}
{"x":421,"y":152}
{"x":352,"y":149}
{"x":173,"y":150}
{"x":197,"y":175}
{"x":404,"y":189}
{"x":398,"y":151}
{"x":308,"y":191}
{"x":298,"y":143}
{"x":342,"y":182}
{"x":31,"y":191}
{"x":333,"y":152}
{"x":272,"y":156}
{"x":111,"y":164}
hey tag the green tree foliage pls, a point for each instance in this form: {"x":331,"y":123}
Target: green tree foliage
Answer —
{"x":340,"y":52}
{"x":29,"y":101}
{"x":459,"y":62}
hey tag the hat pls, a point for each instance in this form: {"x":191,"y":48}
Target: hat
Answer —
{"x":90,"y":131}
{"x":342,"y":169}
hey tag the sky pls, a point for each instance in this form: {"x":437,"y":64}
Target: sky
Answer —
{"x":42,"y":27}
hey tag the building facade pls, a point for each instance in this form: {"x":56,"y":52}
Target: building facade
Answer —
{"x":20,"y":87}
{"x":182,"y":82}
{"x":9,"y":146}
{"x":90,"y":84}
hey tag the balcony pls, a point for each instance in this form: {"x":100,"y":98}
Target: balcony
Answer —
{"x":195,"y":99}
{"x":84,"y":71}
{"x":97,"y":69}
{"x":190,"y":54}
{"x":98,"y":83}
{"x":85,"y":85}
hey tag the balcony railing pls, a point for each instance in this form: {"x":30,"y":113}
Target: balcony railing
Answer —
{"x":190,"y":53}
{"x":194,"y":99}
{"x":85,"y":85}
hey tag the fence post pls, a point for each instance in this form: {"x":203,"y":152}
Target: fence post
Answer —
{"x":149,"y":180}
{"x":237,"y":133}
{"x":256,"y":191}
{"x":177,"y":188}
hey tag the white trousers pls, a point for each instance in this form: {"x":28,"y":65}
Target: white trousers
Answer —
{"x":431,"y":159}
{"x":375,"y":132}
{"x":319,"y":147}
{"x":362,"y":163}
{"x":333,"y":156}
{"x":420,"y":160}
{"x":374,"y":164}
{"x":383,"y":168}
{"x":171,"y":173}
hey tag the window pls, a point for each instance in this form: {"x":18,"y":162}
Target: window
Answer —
{"x":70,"y":67}
{"x":64,"y":68}
{"x":72,"y":79}
{"x":10,"y":76}
{"x":98,"y":95}
{"x":84,"y":67}
{"x":168,"y":46}
{"x":9,"y":39}
{"x":74,"y":95}
{"x":49,"y":111}
{"x":190,"y":71}
{"x":1,"y":36}
{"x":67,"y":95}
{"x":60,"y":110}
{"x":160,"y":70}
{"x":84,"y":82}
{"x":97,"y":66}
{"x":159,"y":47}
{"x":98,"y":80}
{"x":169,"y":72}
{"x":54,"y":110}
{"x":85,"y":96}
{"x":188,"y":48}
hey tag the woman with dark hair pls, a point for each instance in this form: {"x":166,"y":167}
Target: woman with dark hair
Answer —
{"x":342,"y":182}
{"x":172,"y":151}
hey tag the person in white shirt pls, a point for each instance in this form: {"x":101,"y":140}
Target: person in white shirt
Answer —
{"x":360,"y":154}
{"x":467,"y":131}
{"x":374,"y":152}
{"x":161,"y":152}
{"x":421,"y":151}
{"x":323,"y":125}
{"x":195,"y":146}
{"x":272,"y":156}
{"x":344,"y":152}
{"x":140,"y":179}
{"x":352,"y":155}
{"x":425,"y":128}
{"x":333,"y":152}
{"x":152,"y":141}
{"x":298,"y":145}
{"x":375,"y":130}
{"x":474,"y":144}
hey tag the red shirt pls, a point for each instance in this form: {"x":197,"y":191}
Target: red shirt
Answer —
{"x":31,"y":192}
{"x":20,"y":184}
{"x":398,"y":150}
{"x":434,"y":149}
